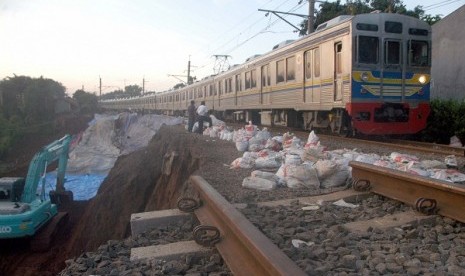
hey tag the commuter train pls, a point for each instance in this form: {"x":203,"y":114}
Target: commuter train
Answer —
{"x":368,"y":73}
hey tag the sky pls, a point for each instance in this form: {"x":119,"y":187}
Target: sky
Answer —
{"x":144,"y":42}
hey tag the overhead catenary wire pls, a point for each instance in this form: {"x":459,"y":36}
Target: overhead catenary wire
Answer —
{"x":264,"y":30}
{"x":440,"y":4}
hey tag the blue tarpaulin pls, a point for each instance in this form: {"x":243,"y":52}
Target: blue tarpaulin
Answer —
{"x":84,"y":187}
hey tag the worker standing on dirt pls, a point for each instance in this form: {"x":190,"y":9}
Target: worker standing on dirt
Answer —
{"x":202,"y":111}
{"x":191,"y":114}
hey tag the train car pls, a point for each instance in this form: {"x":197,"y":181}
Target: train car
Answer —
{"x":368,"y":73}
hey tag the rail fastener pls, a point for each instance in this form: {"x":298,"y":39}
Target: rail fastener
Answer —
{"x":427,"y":195}
{"x":245,"y":249}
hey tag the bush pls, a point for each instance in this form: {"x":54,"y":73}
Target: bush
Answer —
{"x":446,"y":120}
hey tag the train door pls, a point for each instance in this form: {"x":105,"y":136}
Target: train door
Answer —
{"x":312,"y":83}
{"x":308,"y":80}
{"x":220,"y":92}
{"x":265,"y":83}
{"x":316,"y":77}
{"x":338,"y":71}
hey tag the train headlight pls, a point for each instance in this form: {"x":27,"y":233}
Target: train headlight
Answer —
{"x":422,"y":79}
{"x":364,"y":76}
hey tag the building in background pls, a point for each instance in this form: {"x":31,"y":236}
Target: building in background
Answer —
{"x":448,"y":57}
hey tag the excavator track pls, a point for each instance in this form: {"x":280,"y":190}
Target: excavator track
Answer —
{"x":43,"y":239}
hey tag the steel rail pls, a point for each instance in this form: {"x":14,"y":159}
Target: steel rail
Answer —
{"x":246,"y":250}
{"x":440,"y":147}
{"x":406,"y":145}
{"x":426,"y":194}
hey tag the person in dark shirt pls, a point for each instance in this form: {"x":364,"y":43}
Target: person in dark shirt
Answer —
{"x":191,"y":113}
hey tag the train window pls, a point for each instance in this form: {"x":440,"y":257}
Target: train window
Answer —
{"x":238,"y":83}
{"x":367,"y":27}
{"x":280,"y":71}
{"x":290,"y":68}
{"x":227,"y":86}
{"x":253,"y":78}
{"x":308,"y":65}
{"x":265,"y":75}
{"x":368,"y":49}
{"x":418,"y":53}
{"x":247,"y":80}
{"x":392,"y":52}
{"x":393,"y":27}
{"x":316,"y":62}
{"x":338,"y":52}
{"x":220,"y":87}
{"x":414,"y":31}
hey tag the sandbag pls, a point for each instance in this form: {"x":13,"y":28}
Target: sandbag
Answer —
{"x":325,"y":168}
{"x":257,"y":183}
{"x":336,"y":179}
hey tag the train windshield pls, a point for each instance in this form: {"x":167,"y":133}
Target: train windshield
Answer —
{"x":368,"y":49}
{"x":418,"y":53}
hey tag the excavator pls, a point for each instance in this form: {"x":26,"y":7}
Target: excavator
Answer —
{"x":25,"y":209}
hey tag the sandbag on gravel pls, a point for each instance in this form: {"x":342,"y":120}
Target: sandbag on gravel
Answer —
{"x":337,"y":179}
{"x":265,"y":175}
{"x":268,"y":162}
{"x":299,"y":176}
{"x":325,"y":168}
{"x":257,"y":183}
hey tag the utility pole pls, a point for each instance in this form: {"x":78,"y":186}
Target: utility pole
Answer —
{"x":143,"y":86}
{"x":189,"y":81}
{"x":311,"y":16}
{"x":100,"y":87}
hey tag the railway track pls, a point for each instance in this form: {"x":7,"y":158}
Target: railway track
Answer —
{"x":412,"y":146}
{"x":247,"y":251}
{"x":426,"y":195}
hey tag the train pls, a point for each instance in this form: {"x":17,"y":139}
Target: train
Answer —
{"x":366,"y":73}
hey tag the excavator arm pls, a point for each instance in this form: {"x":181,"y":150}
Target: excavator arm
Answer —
{"x":57,"y":150}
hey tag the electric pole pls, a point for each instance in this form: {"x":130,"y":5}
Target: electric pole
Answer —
{"x":143,"y":86}
{"x":311,"y":16}
{"x":100,"y":87}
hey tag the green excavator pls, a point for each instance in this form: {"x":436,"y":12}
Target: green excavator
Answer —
{"x":26,"y":210}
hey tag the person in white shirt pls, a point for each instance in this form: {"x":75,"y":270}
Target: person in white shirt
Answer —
{"x":202,"y":111}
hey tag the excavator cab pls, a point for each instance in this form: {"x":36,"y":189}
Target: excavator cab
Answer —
{"x":27,"y":212}
{"x":11,"y":188}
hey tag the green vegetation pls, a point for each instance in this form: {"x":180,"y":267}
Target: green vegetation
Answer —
{"x":88,"y":102}
{"x":446,"y":120}
{"x":330,"y":10}
{"x":28,"y":105}
{"x":129,"y":91}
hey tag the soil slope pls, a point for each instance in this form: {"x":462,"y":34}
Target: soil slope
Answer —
{"x":149,"y":179}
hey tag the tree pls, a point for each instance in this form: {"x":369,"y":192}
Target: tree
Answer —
{"x":133,"y":90}
{"x":179,"y":85}
{"x":31,"y":99}
{"x":330,"y":10}
{"x":88,"y":102}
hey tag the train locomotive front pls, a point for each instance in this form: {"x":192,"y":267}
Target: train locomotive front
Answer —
{"x":390,"y":86}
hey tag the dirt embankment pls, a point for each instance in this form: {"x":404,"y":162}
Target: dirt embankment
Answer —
{"x":150,"y":179}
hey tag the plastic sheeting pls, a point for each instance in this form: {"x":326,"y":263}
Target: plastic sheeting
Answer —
{"x":93,"y":154}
